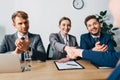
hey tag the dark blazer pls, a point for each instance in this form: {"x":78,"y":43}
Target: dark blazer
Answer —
{"x":88,"y":42}
{"x":108,"y":59}
{"x":36,"y":45}
{"x":115,"y":75}
{"x":57,"y":44}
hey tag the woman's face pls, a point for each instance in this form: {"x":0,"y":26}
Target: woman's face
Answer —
{"x":65,"y":27}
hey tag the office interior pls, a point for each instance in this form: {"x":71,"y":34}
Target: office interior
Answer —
{"x":44,"y":16}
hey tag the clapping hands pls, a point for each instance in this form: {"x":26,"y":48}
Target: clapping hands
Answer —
{"x":21,"y":45}
{"x":99,"y":47}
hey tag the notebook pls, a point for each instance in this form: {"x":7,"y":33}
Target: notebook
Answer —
{"x":9,"y":63}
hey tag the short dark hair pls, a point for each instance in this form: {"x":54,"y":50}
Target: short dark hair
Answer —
{"x":64,"y":18}
{"x":22,"y":14}
{"x":90,"y":17}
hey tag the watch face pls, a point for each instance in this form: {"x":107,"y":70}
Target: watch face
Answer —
{"x":78,"y":4}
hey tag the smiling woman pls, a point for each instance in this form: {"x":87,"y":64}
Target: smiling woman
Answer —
{"x":59,"y":42}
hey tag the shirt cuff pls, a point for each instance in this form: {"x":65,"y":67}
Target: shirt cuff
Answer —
{"x":80,"y":52}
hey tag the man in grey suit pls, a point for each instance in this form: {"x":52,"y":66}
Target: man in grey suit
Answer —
{"x":61,"y":41}
{"x":23,"y":41}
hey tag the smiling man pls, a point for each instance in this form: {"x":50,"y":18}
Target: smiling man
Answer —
{"x":94,"y":39}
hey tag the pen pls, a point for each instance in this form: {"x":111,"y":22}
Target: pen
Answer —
{"x":72,"y":64}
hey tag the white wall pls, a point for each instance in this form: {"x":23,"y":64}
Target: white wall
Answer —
{"x":45,"y":14}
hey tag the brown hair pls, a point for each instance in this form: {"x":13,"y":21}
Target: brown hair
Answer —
{"x":64,"y":18}
{"x":90,"y":17}
{"x":22,"y":14}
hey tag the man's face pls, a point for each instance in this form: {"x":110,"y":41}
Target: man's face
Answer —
{"x":65,"y":27}
{"x":93,"y":27}
{"x":22,"y":25}
{"x":114,"y":7}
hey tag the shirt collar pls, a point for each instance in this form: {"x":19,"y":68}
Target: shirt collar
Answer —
{"x":96,"y":36}
{"x":64,"y":36}
{"x":20,"y":36}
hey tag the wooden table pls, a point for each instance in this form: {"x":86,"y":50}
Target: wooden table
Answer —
{"x":48,"y":71}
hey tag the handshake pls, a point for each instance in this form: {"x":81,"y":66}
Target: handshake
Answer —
{"x":73,"y":52}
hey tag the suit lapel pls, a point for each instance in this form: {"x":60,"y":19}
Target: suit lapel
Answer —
{"x":92,"y":42}
{"x":14,"y":39}
{"x":30,"y":38}
{"x":15,"y":36}
{"x":60,"y":38}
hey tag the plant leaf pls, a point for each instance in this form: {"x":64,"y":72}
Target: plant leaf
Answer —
{"x":114,"y":43}
{"x":115,"y":29}
{"x":103,"y":13}
{"x":110,"y":26}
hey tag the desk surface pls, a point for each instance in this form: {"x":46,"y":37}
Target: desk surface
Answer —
{"x":48,"y":71}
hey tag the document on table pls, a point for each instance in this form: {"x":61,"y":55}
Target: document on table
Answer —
{"x":68,"y":65}
{"x":104,"y":67}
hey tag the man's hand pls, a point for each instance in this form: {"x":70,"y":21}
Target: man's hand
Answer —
{"x":17,"y":51}
{"x":22,"y":45}
{"x":69,"y":49}
{"x":63,"y":60}
{"x":73,"y":53}
{"x":99,"y":47}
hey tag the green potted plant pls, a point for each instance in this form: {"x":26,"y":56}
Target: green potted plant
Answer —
{"x":106,"y":27}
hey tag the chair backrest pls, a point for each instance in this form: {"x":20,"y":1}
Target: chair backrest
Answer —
{"x":49,"y":52}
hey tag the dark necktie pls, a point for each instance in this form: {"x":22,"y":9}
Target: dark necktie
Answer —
{"x":22,"y":54}
{"x":96,"y":39}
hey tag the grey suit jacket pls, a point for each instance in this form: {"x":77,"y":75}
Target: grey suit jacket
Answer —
{"x":57,"y":44}
{"x":36,"y":45}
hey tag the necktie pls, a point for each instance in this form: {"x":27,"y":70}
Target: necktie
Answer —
{"x":22,"y":54}
{"x":96,"y":39}
{"x":23,"y":38}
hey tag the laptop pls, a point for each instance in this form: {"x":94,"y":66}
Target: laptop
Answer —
{"x":9,"y":63}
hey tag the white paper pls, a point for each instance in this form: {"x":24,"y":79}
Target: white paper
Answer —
{"x":68,"y":65}
{"x":104,"y":67}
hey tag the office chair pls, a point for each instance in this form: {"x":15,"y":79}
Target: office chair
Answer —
{"x":49,"y":52}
